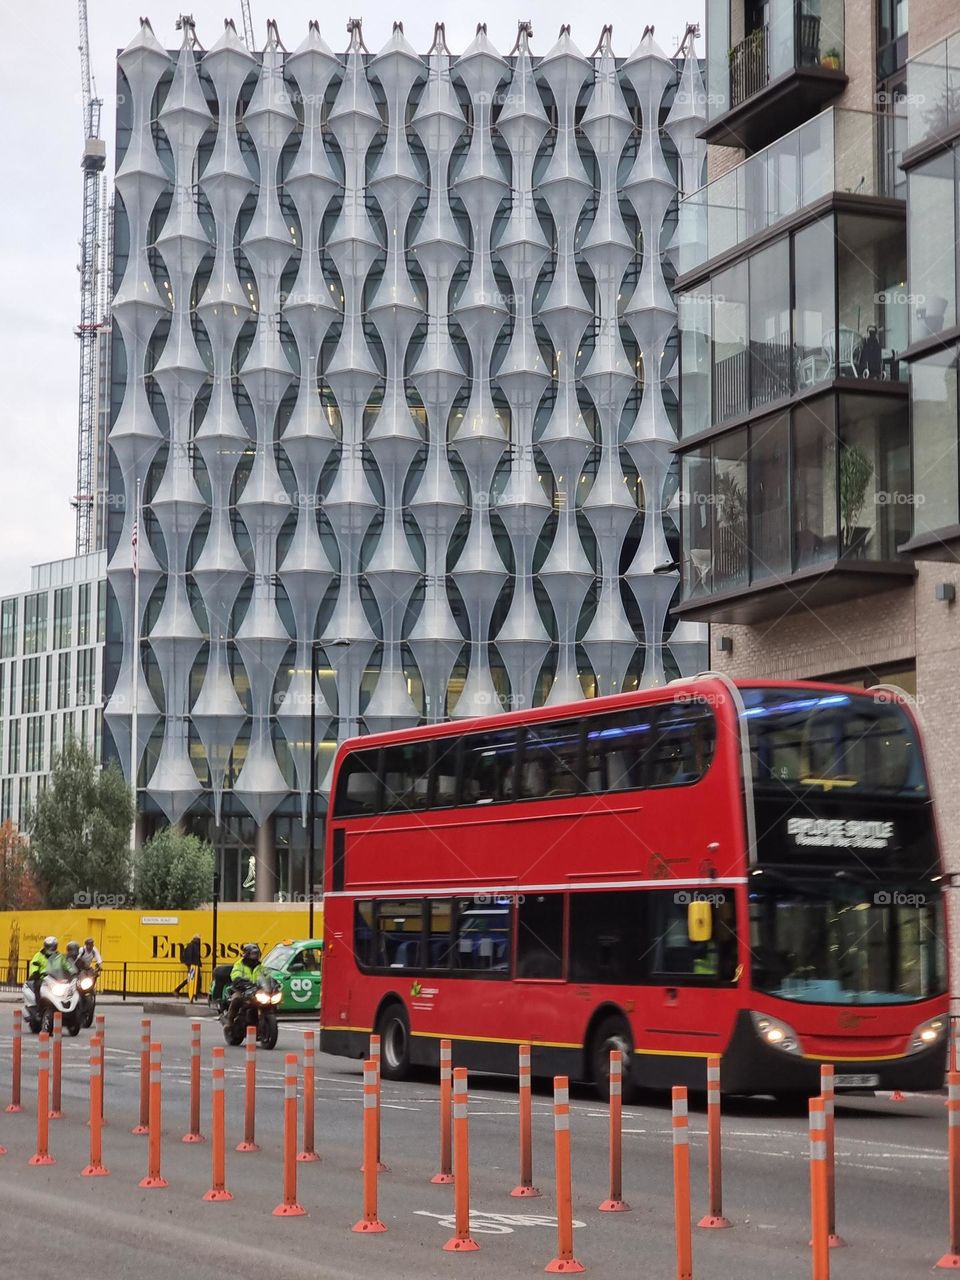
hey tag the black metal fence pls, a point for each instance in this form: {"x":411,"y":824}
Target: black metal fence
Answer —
{"x":124,"y":979}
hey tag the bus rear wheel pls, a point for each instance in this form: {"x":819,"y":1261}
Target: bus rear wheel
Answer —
{"x":612,"y":1032}
{"x":393,"y":1027}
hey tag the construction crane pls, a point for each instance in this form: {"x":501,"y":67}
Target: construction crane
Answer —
{"x":247,"y":24}
{"x":92,"y":163}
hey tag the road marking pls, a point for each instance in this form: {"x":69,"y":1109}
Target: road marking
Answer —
{"x":494,"y":1224}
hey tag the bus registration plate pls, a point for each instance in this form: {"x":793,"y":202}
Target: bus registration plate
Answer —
{"x":854,"y":1081}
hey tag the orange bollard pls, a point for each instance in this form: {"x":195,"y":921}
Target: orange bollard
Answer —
{"x":819,"y":1216}
{"x":144,"y":1125}
{"x":56,"y":1078}
{"x":218,"y":1189}
{"x":308,"y":1153}
{"x":288,"y":1208}
{"x":154,"y":1178}
{"x":951,"y":1259}
{"x":714,"y":1215}
{"x":42,"y":1155}
{"x":17,"y":1063}
{"x":369,"y":1223}
{"x":461,"y":1241}
{"x":564,"y":1261}
{"x":616,"y":1203}
{"x":96,"y":1167}
{"x":101,"y":1031}
{"x":194,"y":1134}
{"x":375,"y":1058}
{"x":681,"y":1184}
{"x":827,"y":1094}
{"x":445,"y":1175}
{"x":525,"y":1186}
{"x":250,"y":1094}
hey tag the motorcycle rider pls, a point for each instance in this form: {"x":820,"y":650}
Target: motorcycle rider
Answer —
{"x":47,"y":960}
{"x":72,"y":950}
{"x":90,"y":957}
{"x":244,"y":974}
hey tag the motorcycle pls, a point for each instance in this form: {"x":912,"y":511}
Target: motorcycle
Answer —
{"x":58,"y":994}
{"x":257,"y":1008}
{"x":87,"y":986}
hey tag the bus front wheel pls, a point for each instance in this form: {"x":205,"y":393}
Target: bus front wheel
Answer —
{"x":612,"y":1032}
{"x":393,"y":1027}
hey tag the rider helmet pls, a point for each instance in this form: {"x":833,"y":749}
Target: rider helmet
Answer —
{"x":251,"y":953}
{"x":73,"y":950}
{"x":49,"y":945}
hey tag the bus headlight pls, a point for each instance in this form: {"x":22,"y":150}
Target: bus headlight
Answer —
{"x":927,"y":1034}
{"x":776,"y":1033}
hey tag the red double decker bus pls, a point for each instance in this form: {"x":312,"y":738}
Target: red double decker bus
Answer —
{"x":750,"y":870}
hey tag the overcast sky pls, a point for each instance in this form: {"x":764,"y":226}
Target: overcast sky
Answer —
{"x":40,"y":201}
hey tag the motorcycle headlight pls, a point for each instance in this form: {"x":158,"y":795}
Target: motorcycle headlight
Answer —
{"x":262,"y":997}
{"x":276,"y":997}
{"x":60,"y":989}
{"x":776,"y":1033}
{"x":85,"y":984}
{"x":927,"y":1034}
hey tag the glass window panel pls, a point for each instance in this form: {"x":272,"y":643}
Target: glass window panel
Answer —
{"x":874,"y":477}
{"x":607,"y":937}
{"x":814,"y":484}
{"x":363,"y":933}
{"x":540,"y":935}
{"x":933,"y":397}
{"x":770,"y":357}
{"x":813,"y":314}
{"x":696,"y":490}
{"x":729,"y":509}
{"x":8,"y":628}
{"x":769,"y":500}
{"x":684,"y":745}
{"x":481,"y":943}
{"x":405,"y":775}
{"x":487,"y":771}
{"x":440,"y":939}
{"x":618,"y":746}
{"x":870,"y":252}
{"x":694,"y":316}
{"x":676,"y":956}
{"x":932,"y":244}
{"x":444,"y":772}
{"x":358,"y":784}
{"x":550,"y":760}
{"x":399,"y":934}
{"x":730,"y":374}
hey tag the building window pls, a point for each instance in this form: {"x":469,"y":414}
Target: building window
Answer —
{"x":101,"y":611}
{"x":814,"y":462}
{"x":86,"y":676}
{"x":6,"y":800}
{"x":931,"y":231}
{"x":34,"y":762}
{"x":8,"y":628}
{"x":63,"y":679}
{"x":48,"y":699}
{"x":83,"y":613}
{"x":63,"y":618}
{"x":30,"y":697}
{"x":936,"y":430}
{"x":12,"y":698}
{"x":13,"y":748}
{"x":35,"y":622}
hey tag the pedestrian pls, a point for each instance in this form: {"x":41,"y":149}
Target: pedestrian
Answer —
{"x":190,"y":957}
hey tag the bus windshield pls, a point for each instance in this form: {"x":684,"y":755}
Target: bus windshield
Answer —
{"x":828,"y":741}
{"x":839,"y":943}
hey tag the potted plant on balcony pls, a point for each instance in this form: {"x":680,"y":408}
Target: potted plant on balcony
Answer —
{"x":730,"y":548}
{"x":856,"y":470}
{"x":831,"y":60}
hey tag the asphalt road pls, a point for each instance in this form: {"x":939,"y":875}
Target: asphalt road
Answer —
{"x":891,"y":1181}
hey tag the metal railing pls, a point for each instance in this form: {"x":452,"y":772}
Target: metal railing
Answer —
{"x":749,"y":66}
{"x":124,"y":979}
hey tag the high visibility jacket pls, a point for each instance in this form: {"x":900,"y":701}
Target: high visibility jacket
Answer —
{"x":244,"y":972}
{"x":43,"y":964}
{"x":39,"y":964}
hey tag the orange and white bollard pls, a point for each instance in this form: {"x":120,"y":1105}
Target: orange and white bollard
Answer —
{"x":461,"y":1241}
{"x":96,"y":1167}
{"x":564,"y":1262}
{"x":288,"y":1207}
{"x":819,"y":1215}
{"x":101,"y":1031}
{"x":16,"y":1064}
{"x":144,"y":1124}
{"x":218,"y":1121}
{"x":194,"y":1134}
{"x":714,"y":1215}
{"x":42,"y":1154}
{"x":445,"y":1176}
{"x":249,"y":1142}
{"x":681,"y":1184}
{"x":375,"y":1058}
{"x":56,"y":1078}
{"x":308,"y":1152}
{"x":525,"y":1186}
{"x":154,"y":1178}
{"x":615,"y":1202}
{"x":829,"y":1099}
{"x":951,"y":1259}
{"x":369,"y":1223}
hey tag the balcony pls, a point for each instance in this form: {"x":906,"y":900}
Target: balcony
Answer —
{"x":933,"y":95}
{"x":800,"y":509}
{"x":837,"y":151}
{"x":777,"y":75}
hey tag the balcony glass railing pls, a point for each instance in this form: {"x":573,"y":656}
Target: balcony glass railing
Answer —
{"x":797,"y":34}
{"x":838,"y":150}
{"x":933,"y":92}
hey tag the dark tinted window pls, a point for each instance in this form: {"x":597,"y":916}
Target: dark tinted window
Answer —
{"x":540,"y":935}
{"x":363,"y":933}
{"x":405,"y":775}
{"x":487,"y":769}
{"x":439,"y":935}
{"x":550,"y":761}
{"x":674,"y":956}
{"x":358,"y":784}
{"x":684,"y":747}
{"x":618,"y":747}
{"x":443,"y":771}
{"x":608,"y":941}
{"x":399,"y":934}
{"x":482,"y":935}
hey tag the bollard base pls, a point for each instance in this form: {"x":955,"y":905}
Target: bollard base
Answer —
{"x":526,"y":1191}
{"x":307,"y":1157}
{"x":218,"y":1193}
{"x":12,"y":1109}
{"x":898,"y":1096}
{"x":94,"y":1171}
{"x":247,"y":1146}
{"x":949,"y":1262}
{"x":151,"y":1183}
{"x":39,"y":1159}
{"x":835,"y":1242}
{"x":714,"y":1220}
{"x":289,"y":1211}
{"x":442,"y":1179}
{"x":54,"y":1115}
{"x":193,"y":1137}
{"x":368,"y":1227}
{"x":140,"y":1129}
{"x":461,"y":1244}
{"x":564,"y":1266}
{"x":3,"y":1151}
{"x":614,"y":1206}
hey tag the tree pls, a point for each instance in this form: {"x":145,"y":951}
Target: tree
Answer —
{"x":80,"y":831}
{"x":17,"y":889}
{"x":173,"y":872}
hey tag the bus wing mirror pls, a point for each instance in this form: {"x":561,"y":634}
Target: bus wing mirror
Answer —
{"x":699,"y":921}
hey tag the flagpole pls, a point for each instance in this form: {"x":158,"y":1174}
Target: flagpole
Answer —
{"x":135,"y":667}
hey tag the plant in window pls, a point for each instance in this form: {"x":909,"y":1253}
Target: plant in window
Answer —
{"x":831,"y":59}
{"x":856,"y":470}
